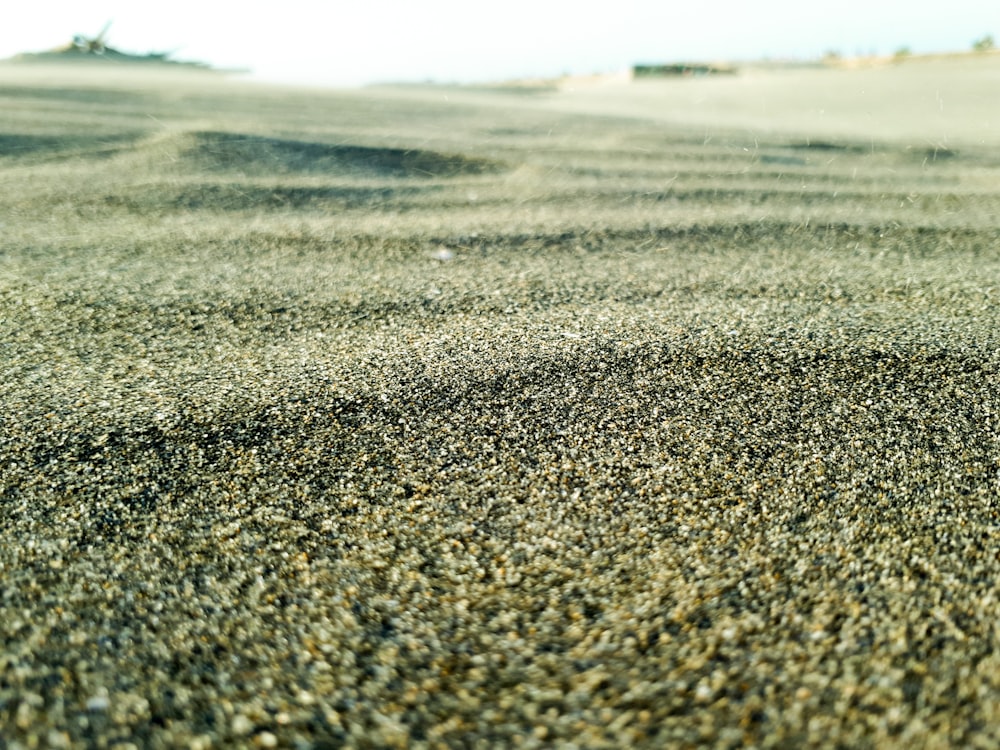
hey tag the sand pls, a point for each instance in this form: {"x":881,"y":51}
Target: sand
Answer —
{"x":430,"y":417}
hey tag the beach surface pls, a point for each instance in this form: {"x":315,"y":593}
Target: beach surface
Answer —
{"x":652,"y":414}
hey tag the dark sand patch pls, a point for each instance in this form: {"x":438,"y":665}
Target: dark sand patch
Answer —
{"x":21,"y":147}
{"x":256,"y":197}
{"x":251,"y":153}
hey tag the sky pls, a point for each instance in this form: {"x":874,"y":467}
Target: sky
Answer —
{"x":355,"y":42}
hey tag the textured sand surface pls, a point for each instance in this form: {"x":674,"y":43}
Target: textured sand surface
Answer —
{"x":417,"y":419}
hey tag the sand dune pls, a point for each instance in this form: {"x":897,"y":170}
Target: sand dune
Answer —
{"x":942,"y":102}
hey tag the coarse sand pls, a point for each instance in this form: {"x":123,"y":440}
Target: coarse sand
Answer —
{"x":429,"y":418}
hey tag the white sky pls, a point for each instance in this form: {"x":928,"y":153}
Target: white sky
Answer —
{"x":349,"y":42}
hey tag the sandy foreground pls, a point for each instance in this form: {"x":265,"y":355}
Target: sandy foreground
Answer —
{"x":621,"y":416}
